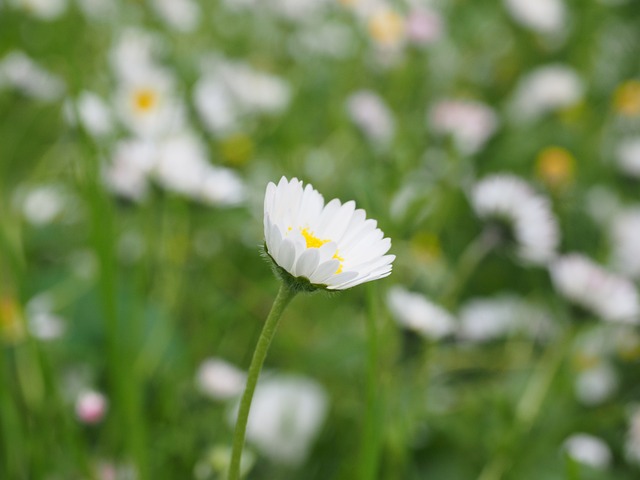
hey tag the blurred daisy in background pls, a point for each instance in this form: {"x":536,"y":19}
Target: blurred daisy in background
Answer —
{"x":541,"y":16}
{"x":526,"y":215}
{"x":624,"y":233}
{"x":332,"y":246}
{"x":486,"y":319}
{"x":605,"y":294}
{"x":415,"y":312}
{"x":545,"y":90}
{"x":219,"y":379}
{"x":627,"y":156}
{"x":372,"y":116}
{"x":469,"y":123}
{"x":287,"y":415}
{"x":588,"y":450}
{"x":22,"y":73}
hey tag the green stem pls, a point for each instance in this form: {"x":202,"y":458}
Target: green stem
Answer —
{"x":468,"y":262}
{"x":370,"y":438}
{"x":285,"y":294}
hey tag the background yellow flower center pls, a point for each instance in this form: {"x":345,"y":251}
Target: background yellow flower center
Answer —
{"x":145,"y":99}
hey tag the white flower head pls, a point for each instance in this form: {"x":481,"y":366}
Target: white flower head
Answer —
{"x":19,"y":71}
{"x":546,"y":89}
{"x":596,"y":384}
{"x":469,"y":123}
{"x":182,"y":15}
{"x":589,"y":450}
{"x":484,"y":319}
{"x":42,"y":9}
{"x":415,"y":312}
{"x":371,"y":114}
{"x":91,"y":407}
{"x":93,"y":114}
{"x":286,"y":416}
{"x":219,"y":379}
{"x":332,"y":246}
{"x":632,"y":443}
{"x":625,"y":242}
{"x":528,"y":214}
{"x":611,"y":296}
{"x":542,"y":16}
{"x":147,"y":104}
{"x":628,"y":157}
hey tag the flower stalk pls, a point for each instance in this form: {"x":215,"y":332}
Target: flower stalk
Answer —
{"x":285,"y":295}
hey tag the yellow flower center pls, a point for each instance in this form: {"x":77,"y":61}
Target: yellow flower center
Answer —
{"x":555,"y":165}
{"x":315,"y":242}
{"x":145,"y":99}
{"x":627,"y":98}
{"x":386,"y":27}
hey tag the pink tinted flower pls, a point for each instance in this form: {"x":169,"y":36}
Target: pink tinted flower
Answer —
{"x":91,"y":407}
{"x":424,"y":26}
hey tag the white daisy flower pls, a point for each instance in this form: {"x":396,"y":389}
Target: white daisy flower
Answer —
{"x":372,"y":116}
{"x":628,"y":157}
{"x":182,"y":15}
{"x":543,"y":16}
{"x":589,"y":450}
{"x":92,"y":112}
{"x":528,"y":214}
{"x":219,"y":379}
{"x":469,"y":123}
{"x":21,"y":72}
{"x":587,"y":284}
{"x":415,"y":312}
{"x":546,"y":89}
{"x":485,"y":319}
{"x":331,"y":246}
{"x":286,"y":417}
{"x":625,"y":242}
{"x":147,"y":104}
{"x":632,"y":442}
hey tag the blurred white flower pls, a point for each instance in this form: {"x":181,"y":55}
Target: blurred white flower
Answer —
{"x":286,"y":417}
{"x":628,"y":157}
{"x":307,"y":11}
{"x":632,"y":443}
{"x":333,"y":246}
{"x":43,"y":323}
{"x":415,"y":312}
{"x":98,"y":10}
{"x":93,"y":112}
{"x":371,"y":114}
{"x":219,"y":379}
{"x":147,"y":104}
{"x":42,"y":9}
{"x":610,"y":296}
{"x":529,"y":215}
{"x":543,"y":16}
{"x":91,"y":407}
{"x":625,"y":242}
{"x":588,"y":449}
{"x":470,"y":123}
{"x":231,"y":91}
{"x":596,"y":383}
{"x":424,"y":26}
{"x":546,"y":89}
{"x":182,"y":166}
{"x":328,"y":39}
{"x":182,"y":15}
{"x":484,"y":319}
{"x":132,"y":55}
{"x":43,"y":204}
{"x":19,"y":71}
{"x":127,"y":173}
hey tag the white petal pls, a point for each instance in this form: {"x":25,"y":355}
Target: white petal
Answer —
{"x":286,"y":255}
{"x":307,"y":263}
{"x":326,"y":217}
{"x":327,"y":251}
{"x":324,"y":271}
{"x":275,"y":239}
{"x":341,"y":221}
{"x":335,"y":281}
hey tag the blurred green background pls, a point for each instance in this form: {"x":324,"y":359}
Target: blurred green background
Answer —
{"x":121,"y":272}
